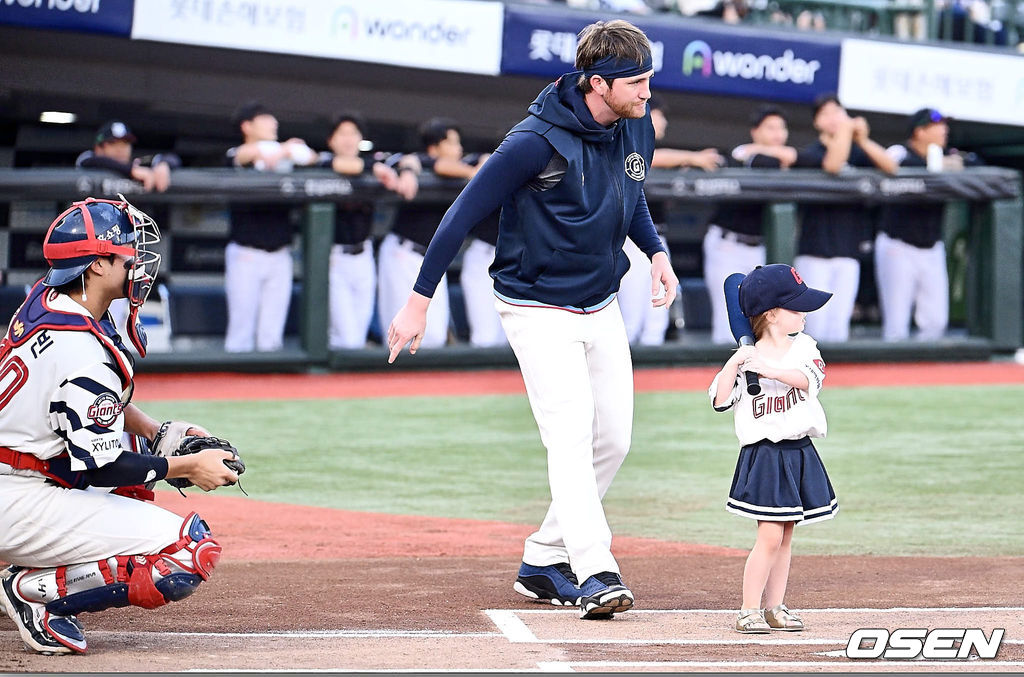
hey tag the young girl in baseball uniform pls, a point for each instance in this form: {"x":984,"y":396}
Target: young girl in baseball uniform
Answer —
{"x":780,"y":480}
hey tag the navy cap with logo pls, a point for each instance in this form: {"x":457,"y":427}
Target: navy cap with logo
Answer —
{"x":112,"y":131}
{"x":923,"y":118}
{"x":778,"y":286}
{"x":249,"y":111}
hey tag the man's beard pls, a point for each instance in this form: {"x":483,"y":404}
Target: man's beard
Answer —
{"x":627,"y":110}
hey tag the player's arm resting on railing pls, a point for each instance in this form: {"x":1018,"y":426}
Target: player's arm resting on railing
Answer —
{"x":352,"y":166}
{"x":837,"y":148}
{"x":669,"y":158}
{"x":759,"y":156}
{"x":874,"y":150}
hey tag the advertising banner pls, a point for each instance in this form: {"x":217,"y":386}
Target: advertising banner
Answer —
{"x":901,"y":78}
{"x":688,"y":56}
{"x":447,"y":35}
{"x":87,"y":16}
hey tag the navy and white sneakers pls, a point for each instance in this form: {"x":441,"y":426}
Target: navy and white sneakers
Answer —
{"x":40,"y":630}
{"x":604,"y":594}
{"x":555,"y":583}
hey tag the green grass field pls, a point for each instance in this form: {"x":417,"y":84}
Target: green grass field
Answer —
{"x":934,"y":471}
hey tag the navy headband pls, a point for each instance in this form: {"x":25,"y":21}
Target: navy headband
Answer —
{"x":611,"y":67}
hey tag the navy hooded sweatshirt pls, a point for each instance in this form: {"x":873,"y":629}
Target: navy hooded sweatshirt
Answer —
{"x":570,"y":191}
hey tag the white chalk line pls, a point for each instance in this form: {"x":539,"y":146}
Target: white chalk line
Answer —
{"x":807,"y":611}
{"x":516,"y":631}
{"x":553,"y":665}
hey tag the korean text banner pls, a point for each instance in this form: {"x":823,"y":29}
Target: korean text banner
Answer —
{"x":446,"y":35}
{"x":901,"y":78}
{"x":87,"y":16}
{"x":688,"y":56}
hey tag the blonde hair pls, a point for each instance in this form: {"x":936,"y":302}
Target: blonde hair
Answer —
{"x":617,"y":38}
{"x":759,"y":324}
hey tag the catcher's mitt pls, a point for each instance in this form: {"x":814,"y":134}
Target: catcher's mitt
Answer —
{"x":193,"y":444}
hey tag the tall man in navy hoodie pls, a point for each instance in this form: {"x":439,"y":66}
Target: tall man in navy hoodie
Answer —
{"x":569,"y":180}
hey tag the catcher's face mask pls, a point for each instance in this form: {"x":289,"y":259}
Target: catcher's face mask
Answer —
{"x":145,"y":262}
{"x":142,"y":269}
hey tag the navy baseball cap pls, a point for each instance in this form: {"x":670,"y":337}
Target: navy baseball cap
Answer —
{"x":778,"y":286}
{"x":923,"y":118}
{"x":114,"y":130}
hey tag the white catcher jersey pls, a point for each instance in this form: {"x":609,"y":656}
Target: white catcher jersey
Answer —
{"x":60,"y":391}
{"x":780,"y":412}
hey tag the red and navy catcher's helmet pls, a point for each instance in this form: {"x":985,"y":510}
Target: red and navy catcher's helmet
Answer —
{"x":93,"y":228}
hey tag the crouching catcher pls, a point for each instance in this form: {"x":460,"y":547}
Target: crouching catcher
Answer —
{"x":73,"y":528}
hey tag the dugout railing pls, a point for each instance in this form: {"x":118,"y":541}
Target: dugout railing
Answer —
{"x":985,"y":222}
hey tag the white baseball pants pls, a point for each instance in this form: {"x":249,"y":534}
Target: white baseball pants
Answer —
{"x":645,"y":324}
{"x":43,"y":525}
{"x":398,"y":265}
{"x":478,"y":294}
{"x":722,"y":258}
{"x":352,"y":280}
{"x":839,"y":275}
{"x":258,"y":284}
{"x":911,"y":278}
{"x":579,"y":379}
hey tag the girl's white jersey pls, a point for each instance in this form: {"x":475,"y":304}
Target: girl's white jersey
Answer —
{"x":780,"y":412}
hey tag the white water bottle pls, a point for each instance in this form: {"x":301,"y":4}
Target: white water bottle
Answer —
{"x":934,"y":159}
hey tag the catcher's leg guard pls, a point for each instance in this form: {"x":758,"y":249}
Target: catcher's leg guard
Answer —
{"x":148,"y":581}
{"x":40,"y":630}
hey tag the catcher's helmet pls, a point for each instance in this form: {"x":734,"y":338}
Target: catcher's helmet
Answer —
{"x":94,"y":228}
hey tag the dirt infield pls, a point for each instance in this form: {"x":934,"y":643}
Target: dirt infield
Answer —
{"x":497,"y":382}
{"x":319,"y":589}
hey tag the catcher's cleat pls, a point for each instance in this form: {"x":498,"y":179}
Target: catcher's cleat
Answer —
{"x":40,"y":630}
{"x":555,"y":583}
{"x":604,"y":594}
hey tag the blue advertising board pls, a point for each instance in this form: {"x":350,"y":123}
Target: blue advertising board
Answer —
{"x":89,"y":16}
{"x":691,"y":56}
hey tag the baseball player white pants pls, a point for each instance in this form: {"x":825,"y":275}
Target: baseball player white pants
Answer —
{"x":645,"y":324}
{"x":478,"y":294}
{"x":579,"y":379}
{"x":352,"y":285}
{"x":398,"y":266}
{"x":839,"y":275}
{"x":258,"y":284}
{"x":722,"y":258}
{"x":911,"y":279}
{"x":43,"y":525}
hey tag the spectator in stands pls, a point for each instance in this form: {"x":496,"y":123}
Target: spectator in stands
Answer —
{"x":112,"y":150}
{"x":353,"y":271}
{"x":645,"y":324}
{"x":401,"y":251}
{"x":730,"y":11}
{"x":625,"y":6}
{"x":910,"y":255}
{"x":258,"y":259}
{"x":833,"y":237}
{"x":734,"y":242}
{"x":970,"y":21}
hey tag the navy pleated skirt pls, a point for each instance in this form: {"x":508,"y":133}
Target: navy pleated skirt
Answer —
{"x":782,"y":482}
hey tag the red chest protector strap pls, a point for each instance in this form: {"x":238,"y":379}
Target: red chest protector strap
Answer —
{"x":57,"y":469}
